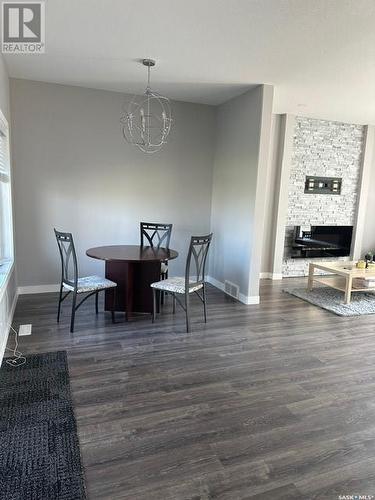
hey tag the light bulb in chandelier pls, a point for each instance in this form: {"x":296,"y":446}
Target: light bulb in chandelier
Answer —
{"x":148,"y":118}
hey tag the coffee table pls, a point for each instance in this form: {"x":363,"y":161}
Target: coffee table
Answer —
{"x":343,"y":275}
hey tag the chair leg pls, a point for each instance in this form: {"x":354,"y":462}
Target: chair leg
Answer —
{"x":153,"y":304}
{"x":59,"y":308}
{"x":97,"y":302}
{"x":187,"y":307}
{"x":73,"y":312}
{"x":113,"y":304}
{"x":158,"y":300}
{"x":163,"y":294}
{"x":204,"y":303}
{"x":174,"y":304}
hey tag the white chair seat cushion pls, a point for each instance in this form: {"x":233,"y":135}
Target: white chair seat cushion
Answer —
{"x":176,"y":285}
{"x":90,"y":284}
{"x":164,"y":268}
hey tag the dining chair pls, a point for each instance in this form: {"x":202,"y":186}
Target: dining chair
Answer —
{"x":157,"y":235}
{"x":71,"y":283}
{"x":193,"y":282}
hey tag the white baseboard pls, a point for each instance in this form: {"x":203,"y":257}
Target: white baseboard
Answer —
{"x":9,"y":323}
{"x":265,"y":276}
{"x":24,"y":290}
{"x":277,"y":276}
{"x":248,"y":300}
{"x":271,"y":276}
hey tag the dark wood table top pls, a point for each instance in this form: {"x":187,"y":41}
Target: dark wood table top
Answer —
{"x":131,"y":253}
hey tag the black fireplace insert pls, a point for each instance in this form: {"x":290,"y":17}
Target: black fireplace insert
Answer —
{"x":322,"y":241}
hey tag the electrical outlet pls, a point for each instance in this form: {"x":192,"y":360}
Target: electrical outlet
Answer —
{"x":25,"y":330}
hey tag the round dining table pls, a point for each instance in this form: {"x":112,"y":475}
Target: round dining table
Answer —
{"x":133,"y":268}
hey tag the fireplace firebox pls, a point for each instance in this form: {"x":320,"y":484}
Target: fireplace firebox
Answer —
{"x":322,"y":241}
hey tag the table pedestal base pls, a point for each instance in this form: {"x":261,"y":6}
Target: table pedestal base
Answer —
{"x":133,"y":293}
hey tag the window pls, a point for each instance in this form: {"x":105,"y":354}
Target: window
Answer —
{"x":6,"y":229}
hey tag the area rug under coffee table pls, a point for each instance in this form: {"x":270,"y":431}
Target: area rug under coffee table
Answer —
{"x":332,"y":300}
{"x":39,"y":448}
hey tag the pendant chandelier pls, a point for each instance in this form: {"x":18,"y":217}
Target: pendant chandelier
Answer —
{"x":147,"y":121}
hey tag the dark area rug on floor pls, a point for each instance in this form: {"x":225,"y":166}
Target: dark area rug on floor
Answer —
{"x":39,"y":448}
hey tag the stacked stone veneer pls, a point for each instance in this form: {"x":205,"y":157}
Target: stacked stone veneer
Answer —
{"x":327,"y":149}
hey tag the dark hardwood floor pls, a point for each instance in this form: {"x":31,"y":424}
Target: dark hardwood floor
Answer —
{"x":275,"y":401}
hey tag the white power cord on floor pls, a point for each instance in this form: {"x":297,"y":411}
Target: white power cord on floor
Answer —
{"x":18,"y":358}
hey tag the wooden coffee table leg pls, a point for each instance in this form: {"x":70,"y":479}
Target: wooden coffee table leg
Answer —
{"x":348,"y":289}
{"x":310,"y":282}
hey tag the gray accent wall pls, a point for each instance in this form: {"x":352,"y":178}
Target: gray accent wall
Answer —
{"x":237,"y":194}
{"x":4,"y":89}
{"x":74,"y":171}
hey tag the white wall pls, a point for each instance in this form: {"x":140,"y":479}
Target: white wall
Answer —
{"x":272,"y":194}
{"x":238,"y":190}
{"x":367,"y":233}
{"x":74,"y":171}
{"x":7,"y":292}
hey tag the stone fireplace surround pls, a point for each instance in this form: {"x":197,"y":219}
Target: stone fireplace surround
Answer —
{"x":328,"y":149}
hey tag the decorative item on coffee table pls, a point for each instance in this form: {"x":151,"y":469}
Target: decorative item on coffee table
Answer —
{"x":366,"y":281}
{"x":369,"y":257}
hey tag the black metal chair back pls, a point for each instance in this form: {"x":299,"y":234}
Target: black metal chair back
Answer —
{"x":69,"y":266}
{"x":155,"y":235}
{"x":195,"y":270}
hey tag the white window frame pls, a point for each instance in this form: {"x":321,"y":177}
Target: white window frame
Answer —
{"x":6,"y":218}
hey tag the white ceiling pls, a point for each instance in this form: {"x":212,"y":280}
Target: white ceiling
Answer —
{"x":319,"y":54}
